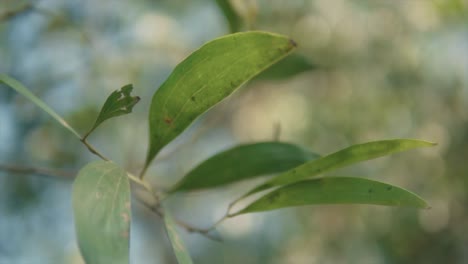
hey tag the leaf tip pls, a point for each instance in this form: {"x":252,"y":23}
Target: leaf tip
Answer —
{"x":293,"y":43}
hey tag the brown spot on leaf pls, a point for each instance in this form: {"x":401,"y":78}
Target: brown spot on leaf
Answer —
{"x":273,"y":197}
{"x":126,"y":217}
{"x":168,"y":120}
{"x":192,"y":98}
{"x":124,"y":234}
{"x":98,"y":195}
{"x":127,"y":205}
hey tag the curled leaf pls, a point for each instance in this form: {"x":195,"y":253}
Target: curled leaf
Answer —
{"x":119,"y":102}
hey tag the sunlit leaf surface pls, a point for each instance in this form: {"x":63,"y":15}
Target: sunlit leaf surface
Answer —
{"x":207,"y":76}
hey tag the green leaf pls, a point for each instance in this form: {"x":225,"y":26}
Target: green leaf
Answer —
{"x":180,"y":251}
{"x":206,"y":77}
{"x":345,"y":157}
{"x":230,"y":14}
{"x":119,"y":102}
{"x":101,"y":206}
{"x":20,"y":88}
{"x":244,"y":162}
{"x":289,"y":67}
{"x":335,"y":190}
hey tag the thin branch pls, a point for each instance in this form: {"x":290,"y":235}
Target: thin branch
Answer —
{"x":34,"y":170}
{"x":155,"y":208}
{"x":14,"y":13}
{"x":93,"y":150}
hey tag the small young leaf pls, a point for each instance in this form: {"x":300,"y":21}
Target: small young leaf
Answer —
{"x":25,"y":92}
{"x":101,"y":206}
{"x":345,"y":157}
{"x":244,"y":162}
{"x":335,"y":190}
{"x":119,"y":102}
{"x":206,"y":77}
{"x":181,"y":253}
{"x":230,"y":14}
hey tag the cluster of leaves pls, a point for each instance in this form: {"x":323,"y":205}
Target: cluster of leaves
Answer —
{"x":102,"y":190}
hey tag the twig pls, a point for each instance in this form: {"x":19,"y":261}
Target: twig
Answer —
{"x":34,"y":170}
{"x":154,"y":208}
{"x":92,"y":149}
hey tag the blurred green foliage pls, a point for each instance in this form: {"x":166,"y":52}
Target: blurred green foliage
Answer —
{"x":378,"y":69}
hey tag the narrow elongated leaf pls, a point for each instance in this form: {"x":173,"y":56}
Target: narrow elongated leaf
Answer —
{"x":101,"y":206}
{"x":244,"y":162}
{"x":345,"y":157}
{"x":20,"y":88}
{"x":335,"y":190}
{"x":233,"y":19}
{"x":119,"y":102}
{"x":206,"y":77}
{"x":180,"y":251}
{"x":287,"y":68}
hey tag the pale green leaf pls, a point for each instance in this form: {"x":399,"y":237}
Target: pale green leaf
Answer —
{"x":101,"y":206}
{"x":20,"y":88}
{"x":206,"y":77}
{"x":345,"y":157}
{"x":244,"y":162}
{"x":180,"y":251}
{"x":119,"y":102}
{"x":335,"y":190}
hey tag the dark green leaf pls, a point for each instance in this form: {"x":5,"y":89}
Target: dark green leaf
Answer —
{"x":119,"y":102}
{"x":101,"y":206}
{"x":25,"y":92}
{"x":335,"y":190}
{"x":244,"y":162}
{"x":230,"y":14}
{"x":342,"y":158}
{"x":180,"y":251}
{"x":206,"y":77}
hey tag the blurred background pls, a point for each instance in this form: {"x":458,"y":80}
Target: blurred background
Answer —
{"x":364,"y":70}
